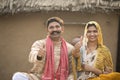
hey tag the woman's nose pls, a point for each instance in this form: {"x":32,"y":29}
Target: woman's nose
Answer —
{"x":92,"y":33}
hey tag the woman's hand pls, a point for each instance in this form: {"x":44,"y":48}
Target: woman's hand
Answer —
{"x":77,"y":46}
{"x":107,"y":70}
{"x":87,"y":67}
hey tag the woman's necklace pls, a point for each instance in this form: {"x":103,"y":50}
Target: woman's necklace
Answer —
{"x":91,"y":49}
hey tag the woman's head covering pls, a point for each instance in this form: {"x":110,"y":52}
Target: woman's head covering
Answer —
{"x":100,"y":38}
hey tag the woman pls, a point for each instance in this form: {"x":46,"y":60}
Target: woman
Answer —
{"x":94,"y":61}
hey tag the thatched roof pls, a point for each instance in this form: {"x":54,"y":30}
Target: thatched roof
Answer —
{"x":16,"y":6}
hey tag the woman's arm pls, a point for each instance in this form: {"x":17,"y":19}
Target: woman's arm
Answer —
{"x":87,"y":67}
{"x":77,"y":45}
{"x":108,"y":62}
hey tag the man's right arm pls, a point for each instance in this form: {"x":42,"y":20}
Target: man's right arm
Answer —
{"x":35,"y":53}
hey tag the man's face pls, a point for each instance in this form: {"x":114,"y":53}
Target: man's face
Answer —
{"x":55,"y":30}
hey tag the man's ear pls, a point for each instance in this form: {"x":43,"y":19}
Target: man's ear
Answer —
{"x":62,"y":28}
{"x":47,"y":31}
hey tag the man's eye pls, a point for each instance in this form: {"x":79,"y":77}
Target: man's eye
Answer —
{"x":51,"y":27}
{"x":57,"y":26}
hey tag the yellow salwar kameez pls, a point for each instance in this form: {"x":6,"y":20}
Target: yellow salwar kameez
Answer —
{"x":100,"y":58}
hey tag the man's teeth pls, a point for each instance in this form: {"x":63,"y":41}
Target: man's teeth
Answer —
{"x":55,"y":33}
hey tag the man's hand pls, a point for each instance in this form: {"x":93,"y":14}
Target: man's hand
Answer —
{"x":41,"y":53}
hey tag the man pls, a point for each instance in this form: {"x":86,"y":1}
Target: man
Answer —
{"x":51,"y":56}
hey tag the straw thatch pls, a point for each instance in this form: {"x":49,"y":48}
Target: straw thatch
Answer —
{"x":16,"y":6}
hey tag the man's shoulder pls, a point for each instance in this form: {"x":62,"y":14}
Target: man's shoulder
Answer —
{"x":70,"y":46}
{"x":41,"y":41}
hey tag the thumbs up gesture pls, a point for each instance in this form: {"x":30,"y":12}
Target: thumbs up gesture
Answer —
{"x":41,"y":53}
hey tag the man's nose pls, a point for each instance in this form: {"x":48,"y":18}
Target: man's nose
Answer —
{"x":54,"y":28}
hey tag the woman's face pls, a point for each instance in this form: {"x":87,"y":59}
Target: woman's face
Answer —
{"x":92,"y":34}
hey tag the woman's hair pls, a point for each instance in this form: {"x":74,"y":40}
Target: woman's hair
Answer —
{"x":89,"y":25}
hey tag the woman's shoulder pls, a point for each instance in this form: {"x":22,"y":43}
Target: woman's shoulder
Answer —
{"x":104,"y":50}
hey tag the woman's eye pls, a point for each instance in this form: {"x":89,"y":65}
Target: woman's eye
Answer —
{"x":95,"y":31}
{"x":88,"y":31}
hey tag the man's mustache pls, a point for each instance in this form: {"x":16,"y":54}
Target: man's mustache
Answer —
{"x":58,"y":32}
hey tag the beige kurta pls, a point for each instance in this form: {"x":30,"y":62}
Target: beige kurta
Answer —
{"x":39,"y":65}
